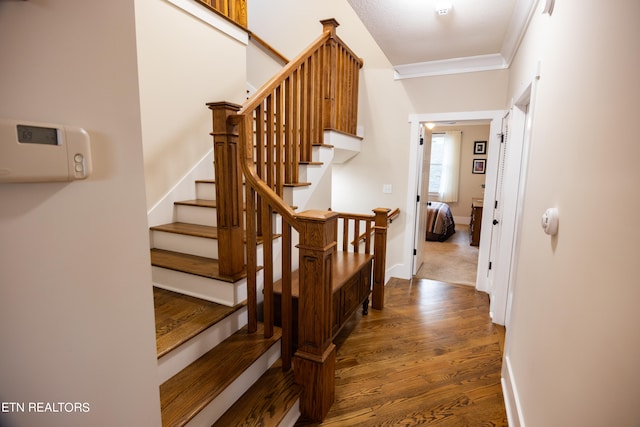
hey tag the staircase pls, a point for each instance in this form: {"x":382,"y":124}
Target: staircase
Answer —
{"x":206,"y":358}
{"x":221,"y":358}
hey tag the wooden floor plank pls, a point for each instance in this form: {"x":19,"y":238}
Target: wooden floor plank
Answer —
{"x":431,"y":357}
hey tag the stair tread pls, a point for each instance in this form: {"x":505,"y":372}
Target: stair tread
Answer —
{"x":197,"y":230}
{"x":192,"y":264}
{"x":206,"y":203}
{"x":180,"y":317}
{"x":343,"y":266}
{"x":266,"y":403}
{"x":206,"y":231}
{"x":192,"y":389}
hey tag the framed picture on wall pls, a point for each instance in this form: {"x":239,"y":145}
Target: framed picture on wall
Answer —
{"x":479,"y":165}
{"x":480,"y":147}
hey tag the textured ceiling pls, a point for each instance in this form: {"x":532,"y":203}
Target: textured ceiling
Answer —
{"x":412,"y":32}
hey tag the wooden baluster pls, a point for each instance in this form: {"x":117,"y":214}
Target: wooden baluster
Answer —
{"x":245,"y":125}
{"x":228,"y":176}
{"x":356,"y":235}
{"x":379,"y":257}
{"x":286,"y":304}
{"x":345,"y":234}
{"x":367,"y":238}
{"x":267,"y":255}
{"x":295,"y":129}
{"x":279,"y":143}
{"x":316,"y":355}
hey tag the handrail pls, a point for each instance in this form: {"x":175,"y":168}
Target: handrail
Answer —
{"x":393,"y":214}
{"x":268,"y":47}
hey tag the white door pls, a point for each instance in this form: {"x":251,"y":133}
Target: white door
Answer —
{"x":424,"y":163}
{"x":497,"y":204}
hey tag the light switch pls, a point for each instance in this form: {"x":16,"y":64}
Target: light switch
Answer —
{"x":387,"y":188}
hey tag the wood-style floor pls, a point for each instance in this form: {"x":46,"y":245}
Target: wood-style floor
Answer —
{"x":431,"y":357}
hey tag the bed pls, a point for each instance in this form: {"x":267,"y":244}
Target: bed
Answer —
{"x":440,"y":224}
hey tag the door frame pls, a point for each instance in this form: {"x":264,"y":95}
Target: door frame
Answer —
{"x":415,"y":171}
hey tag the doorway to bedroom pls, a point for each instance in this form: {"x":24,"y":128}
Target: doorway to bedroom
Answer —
{"x":452,"y":191}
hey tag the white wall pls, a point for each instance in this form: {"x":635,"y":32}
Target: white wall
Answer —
{"x":184,"y":63}
{"x":76,"y":308}
{"x":573,"y":344}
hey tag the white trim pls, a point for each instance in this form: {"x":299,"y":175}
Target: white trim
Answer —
{"x":468,"y":64}
{"x":511,"y":398}
{"x":211,"y":18}
{"x":520,"y":20}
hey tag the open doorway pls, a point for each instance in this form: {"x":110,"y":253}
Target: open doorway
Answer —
{"x":452,"y":194}
{"x":414,"y":211}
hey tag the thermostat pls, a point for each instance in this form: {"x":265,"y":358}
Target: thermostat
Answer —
{"x":43,"y":152}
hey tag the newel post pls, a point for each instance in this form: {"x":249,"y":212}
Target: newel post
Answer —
{"x":315,"y":358}
{"x":330,"y":75}
{"x":379,"y":256}
{"x":228,"y":177}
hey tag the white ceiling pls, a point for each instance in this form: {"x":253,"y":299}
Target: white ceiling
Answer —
{"x":475,"y":35}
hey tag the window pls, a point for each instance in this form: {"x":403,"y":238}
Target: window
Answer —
{"x":437,"y":154}
{"x":445,"y":166}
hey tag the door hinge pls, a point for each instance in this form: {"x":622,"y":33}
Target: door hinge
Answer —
{"x":490,"y":264}
{"x":415,"y":252}
{"x":421,"y":141}
{"x":418,"y":198}
{"x":501,"y":137}
{"x":496,"y":205}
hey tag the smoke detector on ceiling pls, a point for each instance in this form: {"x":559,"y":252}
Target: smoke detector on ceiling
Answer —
{"x":443,"y":7}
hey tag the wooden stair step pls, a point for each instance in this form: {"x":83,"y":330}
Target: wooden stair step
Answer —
{"x":181,"y":317}
{"x":185,"y":394}
{"x":196,"y":230}
{"x":266,"y":403}
{"x":344,"y":266}
{"x":192,"y":264}
{"x":205,"y":203}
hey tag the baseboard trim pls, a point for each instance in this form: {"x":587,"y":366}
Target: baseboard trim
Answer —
{"x":511,"y":399}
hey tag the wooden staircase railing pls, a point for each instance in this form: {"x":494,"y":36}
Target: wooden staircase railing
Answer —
{"x":233,"y":10}
{"x":266,"y":140}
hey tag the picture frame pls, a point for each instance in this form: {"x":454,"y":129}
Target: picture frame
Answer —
{"x":479,"y":166}
{"x":480,"y":147}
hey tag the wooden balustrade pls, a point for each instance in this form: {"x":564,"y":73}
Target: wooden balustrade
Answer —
{"x":234,"y":10}
{"x":268,"y":138}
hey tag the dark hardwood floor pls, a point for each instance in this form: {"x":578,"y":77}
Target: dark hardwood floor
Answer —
{"x":431,"y":357}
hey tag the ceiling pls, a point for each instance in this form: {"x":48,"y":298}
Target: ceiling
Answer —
{"x":476,"y":35}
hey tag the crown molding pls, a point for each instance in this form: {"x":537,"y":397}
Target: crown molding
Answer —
{"x":520,"y":19}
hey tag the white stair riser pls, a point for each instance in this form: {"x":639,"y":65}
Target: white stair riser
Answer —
{"x":181,"y":357}
{"x":225,"y":293}
{"x":196,"y":215}
{"x":207,"y":190}
{"x":212,"y":412}
{"x":193,"y":245}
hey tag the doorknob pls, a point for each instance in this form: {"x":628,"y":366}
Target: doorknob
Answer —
{"x":495,"y":221}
